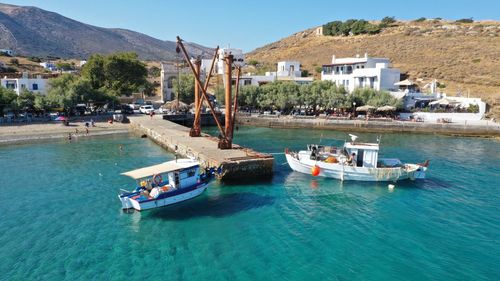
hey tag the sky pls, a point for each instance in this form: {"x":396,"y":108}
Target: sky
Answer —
{"x":252,"y":23}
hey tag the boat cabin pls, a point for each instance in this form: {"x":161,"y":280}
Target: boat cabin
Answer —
{"x":177,"y":174}
{"x":366,"y":153}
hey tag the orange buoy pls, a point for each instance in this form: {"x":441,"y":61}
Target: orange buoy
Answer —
{"x":315,"y":170}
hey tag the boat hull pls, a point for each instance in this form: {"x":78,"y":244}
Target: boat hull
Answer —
{"x":350,"y":173}
{"x":128,"y":203}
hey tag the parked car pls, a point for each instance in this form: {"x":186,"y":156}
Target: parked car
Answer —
{"x":135,"y":105}
{"x":79,"y":109}
{"x":125,"y":109}
{"x":146,"y":109}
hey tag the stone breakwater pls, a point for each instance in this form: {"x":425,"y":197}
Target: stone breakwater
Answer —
{"x":237,"y":163}
{"x":482,"y":129}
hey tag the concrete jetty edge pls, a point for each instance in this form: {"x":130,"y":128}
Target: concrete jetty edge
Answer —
{"x":489,"y":131}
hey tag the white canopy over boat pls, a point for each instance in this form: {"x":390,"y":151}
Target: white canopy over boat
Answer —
{"x":166,"y":167}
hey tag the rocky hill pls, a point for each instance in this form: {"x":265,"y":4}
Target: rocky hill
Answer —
{"x":465,"y":57}
{"x":31,"y":31}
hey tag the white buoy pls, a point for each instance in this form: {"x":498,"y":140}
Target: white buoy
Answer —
{"x":391,"y":186}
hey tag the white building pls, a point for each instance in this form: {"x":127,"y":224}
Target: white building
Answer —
{"x":83,"y":62}
{"x":169,"y":73}
{"x":36,"y":85}
{"x":238,"y":58}
{"x":286,"y":71}
{"x":289,"y":69}
{"x":7,"y":52}
{"x":360,"y":72}
{"x":49,"y":65}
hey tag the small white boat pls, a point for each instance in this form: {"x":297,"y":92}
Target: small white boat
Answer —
{"x":183,"y":181}
{"x":355,"y":161}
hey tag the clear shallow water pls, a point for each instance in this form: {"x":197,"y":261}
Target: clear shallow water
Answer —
{"x":60,"y":217}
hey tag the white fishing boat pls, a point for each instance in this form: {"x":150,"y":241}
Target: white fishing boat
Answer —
{"x":356,"y":161}
{"x":183,"y":181}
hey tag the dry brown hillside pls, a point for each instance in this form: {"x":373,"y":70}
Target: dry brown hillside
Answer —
{"x":465,"y":57}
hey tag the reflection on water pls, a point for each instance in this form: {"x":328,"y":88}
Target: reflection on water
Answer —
{"x":217,"y":205}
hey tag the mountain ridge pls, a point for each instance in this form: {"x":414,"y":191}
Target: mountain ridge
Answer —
{"x":32,"y":31}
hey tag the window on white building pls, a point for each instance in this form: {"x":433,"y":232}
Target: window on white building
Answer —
{"x":327,"y":69}
{"x":10,"y":85}
{"x":35,"y":87}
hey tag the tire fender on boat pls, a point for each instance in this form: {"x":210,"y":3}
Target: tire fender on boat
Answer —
{"x":157,"y":179}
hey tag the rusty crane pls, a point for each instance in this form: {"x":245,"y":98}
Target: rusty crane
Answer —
{"x":226,"y":134}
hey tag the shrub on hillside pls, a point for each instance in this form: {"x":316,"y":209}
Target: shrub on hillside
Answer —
{"x":350,"y":27}
{"x":387,"y":21}
{"x":34,"y":59}
{"x":469,"y":20}
{"x":253,"y":62}
{"x":422,"y":19}
{"x":14,"y":61}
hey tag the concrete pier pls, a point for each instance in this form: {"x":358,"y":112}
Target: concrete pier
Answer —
{"x":237,"y":163}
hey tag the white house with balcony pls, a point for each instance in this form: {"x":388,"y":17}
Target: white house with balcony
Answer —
{"x":285,"y":71}
{"x":361,"y":72}
{"x":37,"y":85}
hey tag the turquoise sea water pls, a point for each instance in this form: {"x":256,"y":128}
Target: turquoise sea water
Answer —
{"x":61,"y":218}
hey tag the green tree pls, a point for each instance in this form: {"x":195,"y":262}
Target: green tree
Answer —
{"x":332,"y":28}
{"x":64,"y":66}
{"x":184,"y":86}
{"x":41,"y":102}
{"x":346,"y":26}
{"x":248,"y":96}
{"x":7,"y":98}
{"x":359,"y":27}
{"x":61,"y":93}
{"x":124,"y":74}
{"x":25,"y":100}
{"x":93,"y":71}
